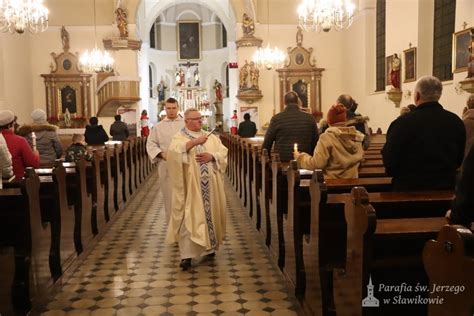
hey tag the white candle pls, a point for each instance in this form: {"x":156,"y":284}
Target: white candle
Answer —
{"x":33,"y":140}
{"x":295,"y":147}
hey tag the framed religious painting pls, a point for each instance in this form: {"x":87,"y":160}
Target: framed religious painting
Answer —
{"x":461,"y":42}
{"x":410,"y":64}
{"x":189,"y":40}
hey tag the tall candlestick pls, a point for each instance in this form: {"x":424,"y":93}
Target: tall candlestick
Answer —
{"x":33,"y":140}
{"x":295,"y":147}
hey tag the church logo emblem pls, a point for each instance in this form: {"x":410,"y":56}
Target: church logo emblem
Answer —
{"x":370,"y":300}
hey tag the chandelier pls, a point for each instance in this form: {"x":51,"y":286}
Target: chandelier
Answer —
{"x":268,"y":57}
{"x":21,"y":15}
{"x":96,"y":60}
{"x":317,"y":15}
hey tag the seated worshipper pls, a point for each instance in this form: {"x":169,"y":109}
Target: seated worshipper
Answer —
{"x":22,"y":155}
{"x":339,"y":149}
{"x":119,"y":130}
{"x":357,"y":119}
{"x":6,"y":169}
{"x":77,"y":149}
{"x":468,"y":119}
{"x":47,"y":140}
{"x":95,"y":133}
{"x":425,"y":148}
{"x":462,"y":212}
{"x":247,"y":128}
{"x":197,"y":160}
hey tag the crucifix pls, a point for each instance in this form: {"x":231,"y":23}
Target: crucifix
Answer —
{"x":190,"y":76}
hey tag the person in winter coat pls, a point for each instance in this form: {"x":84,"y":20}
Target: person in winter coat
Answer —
{"x":119,"y":130}
{"x":77,"y":149}
{"x":47,"y":140}
{"x":339,"y":149}
{"x":95,"y":133}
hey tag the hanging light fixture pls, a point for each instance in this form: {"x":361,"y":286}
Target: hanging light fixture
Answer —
{"x":21,"y":15}
{"x":317,"y":15}
{"x":268,"y":58}
{"x":96,"y":60}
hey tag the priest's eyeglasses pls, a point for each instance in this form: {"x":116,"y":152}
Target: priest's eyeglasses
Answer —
{"x":195,"y":118}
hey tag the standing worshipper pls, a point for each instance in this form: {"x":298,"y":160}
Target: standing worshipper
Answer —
{"x":95,"y":134}
{"x":198,"y":219}
{"x":119,"y":130}
{"x":247,"y":128}
{"x":157,"y":147}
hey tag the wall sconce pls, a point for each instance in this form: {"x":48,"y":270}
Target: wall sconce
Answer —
{"x":407,"y":94}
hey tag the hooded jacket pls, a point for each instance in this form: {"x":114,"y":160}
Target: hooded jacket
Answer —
{"x":468,"y":119}
{"x":338,"y":152}
{"x":95,"y":135}
{"x":47,"y":141}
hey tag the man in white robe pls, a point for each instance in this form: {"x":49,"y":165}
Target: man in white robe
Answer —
{"x":157,"y":147}
{"x":197,"y":161}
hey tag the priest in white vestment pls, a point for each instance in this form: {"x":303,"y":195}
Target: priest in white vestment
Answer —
{"x":197,"y":162}
{"x":157,"y":147}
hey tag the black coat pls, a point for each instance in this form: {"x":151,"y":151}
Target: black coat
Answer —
{"x":463,"y":205}
{"x":95,"y":135}
{"x":424,"y":148}
{"x":119,"y":130}
{"x":289,"y":127}
{"x":247,"y":129}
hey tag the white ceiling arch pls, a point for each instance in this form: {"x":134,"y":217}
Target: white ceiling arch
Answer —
{"x":149,"y":10}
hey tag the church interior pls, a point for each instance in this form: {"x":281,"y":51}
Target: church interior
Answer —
{"x":90,"y":239}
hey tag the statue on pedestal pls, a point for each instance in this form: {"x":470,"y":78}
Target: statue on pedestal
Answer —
{"x":218,"y":89}
{"x":161,"y":91}
{"x":254,"y":74}
{"x":248,"y":25}
{"x":243,"y":75}
{"x":395,"y":72}
{"x":121,"y":18}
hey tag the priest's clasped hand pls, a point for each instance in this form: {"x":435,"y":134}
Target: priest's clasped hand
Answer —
{"x":204,"y":158}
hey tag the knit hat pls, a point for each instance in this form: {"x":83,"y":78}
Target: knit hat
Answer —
{"x":6,"y":117}
{"x":38,"y":115}
{"x":337,"y":114}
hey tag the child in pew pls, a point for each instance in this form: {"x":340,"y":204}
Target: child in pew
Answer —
{"x":77,"y":149}
{"x":339,"y":150}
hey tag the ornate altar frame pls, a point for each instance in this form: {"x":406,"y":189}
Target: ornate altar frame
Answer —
{"x":67,"y":87}
{"x":301,"y":75}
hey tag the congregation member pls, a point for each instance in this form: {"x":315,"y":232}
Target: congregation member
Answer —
{"x":47,"y":140}
{"x":157,"y":147}
{"x":468,"y":119}
{"x":247,"y":128}
{"x":289,"y":127}
{"x":95,"y":133}
{"x":339,"y":149}
{"x":355,"y":118}
{"x":6,"y":169}
{"x":424,"y":149}
{"x":197,"y":161}
{"x":77,"y":149}
{"x":22,"y":154}
{"x":462,"y":212}
{"x":118,"y":129}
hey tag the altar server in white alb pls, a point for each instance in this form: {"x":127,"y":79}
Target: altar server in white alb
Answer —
{"x":197,"y":160}
{"x":157,"y":147}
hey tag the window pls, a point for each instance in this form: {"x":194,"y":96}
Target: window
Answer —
{"x":150,"y":80}
{"x":444,"y":15}
{"x":152,"y":37}
{"x":224,"y":36}
{"x":380,"y":46}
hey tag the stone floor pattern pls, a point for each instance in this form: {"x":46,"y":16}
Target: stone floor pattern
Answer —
{"x":132,"y":271}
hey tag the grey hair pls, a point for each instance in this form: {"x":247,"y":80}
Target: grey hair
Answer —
{"x":345,"y":100}
{"x":430,"y":88}
{"x":188,"y":111}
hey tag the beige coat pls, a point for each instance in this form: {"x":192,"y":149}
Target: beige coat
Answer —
{"x":338,"y":152}
{"x":187,"y":201}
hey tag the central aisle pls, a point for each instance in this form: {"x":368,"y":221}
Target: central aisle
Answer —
{"x":131,"y":271}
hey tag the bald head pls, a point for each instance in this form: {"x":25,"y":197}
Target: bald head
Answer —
{"x":345,"y":100}
{"x":428,"y":89}
{"x":291,"y":98}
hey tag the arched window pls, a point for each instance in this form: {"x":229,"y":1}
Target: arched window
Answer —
{"x":380,"y":46}
{"x":150,"y":80}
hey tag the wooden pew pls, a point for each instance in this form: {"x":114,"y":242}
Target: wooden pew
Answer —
{"x":22,"y":228}
{"x":372,"y":172}
{"x":265,"y":197}
{"x":256,"y":186}
{"x":449,"y":261}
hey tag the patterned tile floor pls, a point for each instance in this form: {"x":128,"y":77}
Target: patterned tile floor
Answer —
{"x":131,"y":271}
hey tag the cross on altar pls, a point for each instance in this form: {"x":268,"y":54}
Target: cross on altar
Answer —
{"x":188,"y":64}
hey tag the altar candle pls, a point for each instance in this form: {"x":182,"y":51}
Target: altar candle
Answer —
{"x":33,"y":140}
{"x":295,"y":147}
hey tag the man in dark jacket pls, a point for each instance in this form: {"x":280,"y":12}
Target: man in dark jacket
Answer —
{"x":424,"y":148}
{"x":119,"y":130}
{"x":291,"y":127}
{"x":247,"y":128}
{"x":95,"y":133}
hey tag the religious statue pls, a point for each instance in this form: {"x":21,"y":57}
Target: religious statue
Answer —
{"x":395,"y":72}
{"x":243,"y":75}
{"x":248,"y":25}
{"x":197,"y":80}
{"x":181,"y":77}
{"x":299,"y":37}
{"x":65,"y":38}
{"x":254,"y":74}
{"x":67,"y":118}
{"x":218,"y":88}
{"x":122,"y":22}
{"x":161,"y":91}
